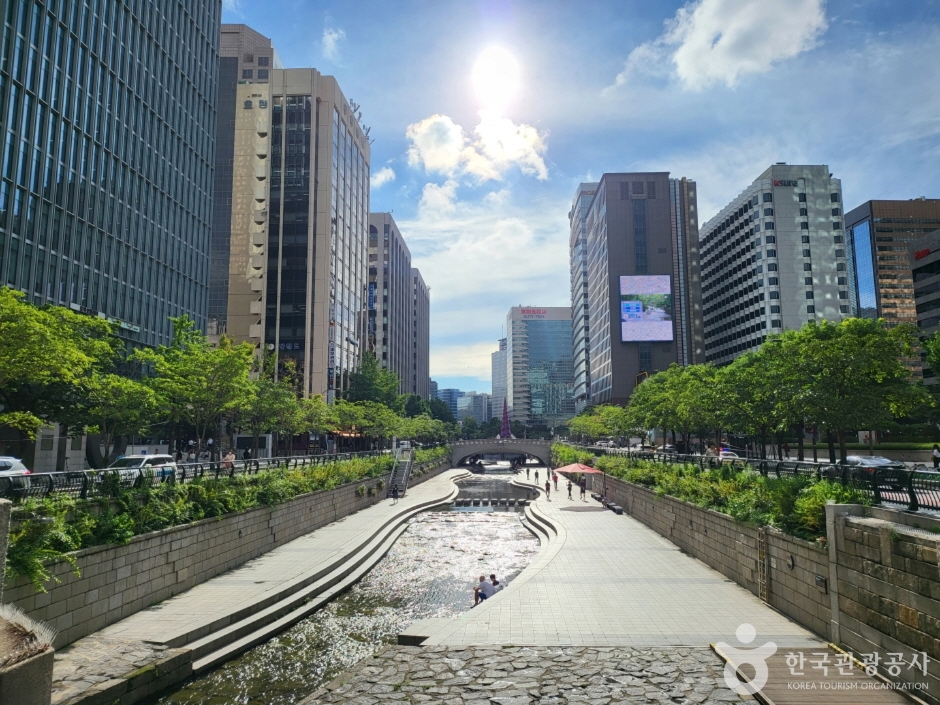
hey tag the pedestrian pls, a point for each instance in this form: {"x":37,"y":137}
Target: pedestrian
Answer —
{"x":555,"y":479}
{"x":548,"y":490}
{"x":482,"y":591}
{"x":527,"y":473}
{"x":191,"y":456}
{"x":786,"y":451}
{"x":936,"y":456}
{"x":583,"y":486}
{"x":228,"y":462}
{"x":493,"y":580}
{"x":569,"y":489}
{"x":179,"y":456}
{"x":394,"y":494}
{"x":247,"y":454}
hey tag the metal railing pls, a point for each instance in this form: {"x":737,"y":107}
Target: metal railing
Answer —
{"x":914,"y":488}
{"x":87,"y":484}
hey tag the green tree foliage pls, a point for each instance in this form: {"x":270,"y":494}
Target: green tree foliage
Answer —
{"x":116,"y":406}
{"x":195,"y":381}
{"x":415,"y":406}
{"x":263,"y":408}
{"x":45,"y":353}
{"x":440,"y":411}
{"x":469,"y":428}
{"x":372,"y":383}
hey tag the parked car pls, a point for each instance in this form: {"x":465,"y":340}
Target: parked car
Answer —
{"x":891,"y":471}
{"x":14,"y":469}
{"x":161,"y":466}
{"x":728,"y":455}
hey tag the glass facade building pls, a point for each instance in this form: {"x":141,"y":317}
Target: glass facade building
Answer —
{"x":108,"y":136}
{"x":539,"y":365}
{"x":580,"y":334}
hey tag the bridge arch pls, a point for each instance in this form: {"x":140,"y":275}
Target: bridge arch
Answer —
{"x":461,"y":450}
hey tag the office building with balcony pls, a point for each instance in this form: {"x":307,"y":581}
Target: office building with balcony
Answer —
{"x":421,"y":332}
{"x":539,"y":366}
{"x":498,"y":373}
{"x":299,"y":226}
{"x":773,"y":259}
{"x":924,"y":260}
{"x":644,"y":295}
{"x":106,"y":159}
{"x":880,"y":234}
{"x":578,"y":261}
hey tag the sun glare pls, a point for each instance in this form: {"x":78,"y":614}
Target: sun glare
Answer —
{"x":496,"y":78}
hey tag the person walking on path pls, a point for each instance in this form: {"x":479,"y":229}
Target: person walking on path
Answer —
{"x":394,"y":494}
{"x":583,"y":486}
{"x":786,"y":451}
{"x":936,"y":456}
{"x":536,"y":477}
{"x":548,"y":490}
{"x":555,"y":479}
{"x":569,"y":489}
{"x":527,"y":473}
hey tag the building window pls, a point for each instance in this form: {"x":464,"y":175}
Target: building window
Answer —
{"x":775,"y":309}
{"x":262,"y":74}
{"x":836,"y":211}
{"x":809,"y":294}
{"x":249,"y":58}
{"x":769,"y":226}
{"x":837,"y":225}
{"x":263,"y":61}
{"x":806,"y":253}
{"x":768,"y":211}
{"x":773,"y":281}
{"x":804,"y":212}
{"x":247,"y":73}
{"x":808,"y":281}
{"x":775,"y":324}
{"x":805,"y":239}
{"x":771,"y":253}
{"x":840,"y":267}
{"x":801,"y":198}
{"x":637,"y":187}
{"x":771,"y":239}
{"x":804,"y":226}
{"x":768,"y":198}
{"x":840,"y":253}
{"x":810,"y":309}
{"x":844,"y":309}
{"x":771,"y":267}
{"x":837,"y":239}
{"x":774,"y":294}
{"x":834,"y":197}
{"x":842,"y":281}
{"x":843,"y":294}
{"x":807,"y":267}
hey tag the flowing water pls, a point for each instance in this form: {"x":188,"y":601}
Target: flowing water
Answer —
{"x":429,"y":572}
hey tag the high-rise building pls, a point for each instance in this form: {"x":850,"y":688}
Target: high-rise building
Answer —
{"x":644,"y":292}
{"x":475,"y":405}
{"x":421,"y":328}
{"x":540,"y":373}
{"x":498,"y":376}
{"x":450,"y":397}
{"x":108,"y":140}
{"x":391,"y":299}
{"x":245,"y":57}
{"x":580,"y":333}
{"x":879,"y":234}
{"x":299,"y":228}
{"x":924,"y":259}
{"x":433,"y":393}
{"x":773,"y":259}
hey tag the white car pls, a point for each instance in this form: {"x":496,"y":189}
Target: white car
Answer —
{"x":160,"y":465}
{"x":13,"y":468}
{"x":728,"y":455}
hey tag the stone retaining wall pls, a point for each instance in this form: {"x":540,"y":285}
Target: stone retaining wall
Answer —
{"x":118,"y":580}
{"x":734,"y":550}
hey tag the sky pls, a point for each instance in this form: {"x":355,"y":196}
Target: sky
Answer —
{"x":487,"y":115}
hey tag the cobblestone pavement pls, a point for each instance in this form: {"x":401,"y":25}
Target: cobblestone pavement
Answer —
{"x":519,"y":675}
{"x":98,"y":659}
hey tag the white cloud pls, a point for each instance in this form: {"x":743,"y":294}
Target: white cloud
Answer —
{"x":382,"y":177}
{"x":330,"y":42}
{"x":462,"y":360}
{"x":711,"y":42}
{"x":497,"y":144}
{"x":230,"y":5}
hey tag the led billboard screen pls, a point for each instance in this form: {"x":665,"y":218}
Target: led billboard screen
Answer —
{"x":646,"y":309}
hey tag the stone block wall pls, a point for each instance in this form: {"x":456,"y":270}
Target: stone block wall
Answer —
{"x":796,"y":591}
{"x":118,"y":580}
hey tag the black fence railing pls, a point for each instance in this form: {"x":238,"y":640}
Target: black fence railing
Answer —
{"x":914,"y":488}
{"x":87,"y":484}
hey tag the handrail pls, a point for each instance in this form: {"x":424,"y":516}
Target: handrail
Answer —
{"x":84,"y":484}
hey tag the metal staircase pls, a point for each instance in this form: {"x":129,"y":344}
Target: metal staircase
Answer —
{"x":401,"y":471}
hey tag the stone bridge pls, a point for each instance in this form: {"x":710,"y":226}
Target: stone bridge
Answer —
{"x":536,"y":448}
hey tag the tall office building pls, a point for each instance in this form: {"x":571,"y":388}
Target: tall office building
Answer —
{"x":540,"y":370}
{"x":450,"y":397}
{"x":391,"y":299}
{"x":107,"y":155}
{"x":474,"y":405}
{"x":498,"y":373}
{"x":773,"y":259}
{"x":879,"y":234}
{"x":580,"y":332}
{"x":245,"y":57}
{"x":644,"y":292}
{"x":924,"y":259}
{"x":421,"y":330}
{"x":432,"y":390}
{"x":299,"y":226}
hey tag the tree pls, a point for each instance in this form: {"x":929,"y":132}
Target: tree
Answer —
{"x":116,"y":406}
{"x":415,"y":406}
{"x":45,"y":352}
{"x":196,"y":382}
{"x":372,"y":383}
{"x":440,"y":411}
{"x":265,"y":407}
{"x":469,"y":428}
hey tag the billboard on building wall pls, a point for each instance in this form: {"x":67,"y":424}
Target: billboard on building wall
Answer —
{"x":646,"y":309}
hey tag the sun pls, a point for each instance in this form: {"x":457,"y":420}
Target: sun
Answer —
{"x":496,"y":75}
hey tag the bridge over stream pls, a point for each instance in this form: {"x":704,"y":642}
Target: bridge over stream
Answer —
{"x":539,"y":449}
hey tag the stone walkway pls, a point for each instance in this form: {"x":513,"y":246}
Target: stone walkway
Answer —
{"x":519,"y":676}
{"x":608,"y":580}
{"x":127,"y":645}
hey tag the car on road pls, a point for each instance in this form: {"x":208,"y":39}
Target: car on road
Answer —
{"x":15,"y":470}
{"x":890,"y":472}
{"x":130,"y":466}
{"x":728,"y":455}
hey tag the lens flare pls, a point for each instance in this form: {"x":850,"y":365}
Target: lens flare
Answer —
{"x":496,"y":78}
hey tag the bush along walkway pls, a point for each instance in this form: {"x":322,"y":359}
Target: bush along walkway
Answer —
{"x":47,"y":530}
{"x":795,"y":505}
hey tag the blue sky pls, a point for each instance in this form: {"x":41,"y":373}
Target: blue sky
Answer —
{"x":714,"y":90}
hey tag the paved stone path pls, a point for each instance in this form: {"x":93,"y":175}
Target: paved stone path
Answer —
{"x":608,"y":580}
{"x":125,"y":646}
{"x":516,"y":675}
